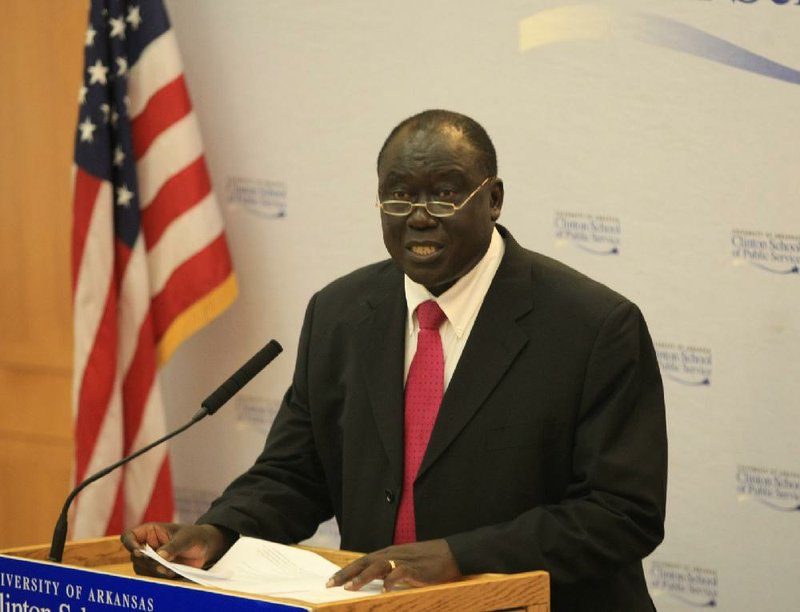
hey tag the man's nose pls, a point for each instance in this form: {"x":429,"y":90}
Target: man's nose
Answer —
{"x":419,"y":217}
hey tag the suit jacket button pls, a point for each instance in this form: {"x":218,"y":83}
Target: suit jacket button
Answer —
{"x":389,"y":496}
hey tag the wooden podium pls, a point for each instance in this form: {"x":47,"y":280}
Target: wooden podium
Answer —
{"x":97,"y":575}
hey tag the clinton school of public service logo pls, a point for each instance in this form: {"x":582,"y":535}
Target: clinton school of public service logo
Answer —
{"x":261,"y":198}
{"x":595,"y":234}
{"x":692,"y":585}
{"x":256,"y":413}
{"x":687,"y":365}
{"x":776,"y":253}
{"x":774,"y":488}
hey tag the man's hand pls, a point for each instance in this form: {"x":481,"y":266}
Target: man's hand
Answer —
{"x":194,"y":545}
{"x":417,"y":564}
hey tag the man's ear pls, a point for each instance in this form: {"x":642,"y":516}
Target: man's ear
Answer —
{"x":496,"y":198}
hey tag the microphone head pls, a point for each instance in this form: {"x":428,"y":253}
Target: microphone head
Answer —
{"x":241,"y":377}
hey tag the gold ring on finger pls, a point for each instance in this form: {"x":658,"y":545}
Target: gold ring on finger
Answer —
{"x":392,"y":564}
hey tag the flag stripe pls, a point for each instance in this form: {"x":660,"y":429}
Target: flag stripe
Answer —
{"x":86,"y":190}
{"x":191,"y":232}
{"x":143,"y":414}
{"x":158,"y":65}
{"x":95,"y":505}
{"x":160,"y":505}
{"x":172,"y":151}
{"x":215,"y":263}
{"x":141,"y":480}
{"x":90,"y":299}
{"x":165,"y":107}
{"x":97,"y":384}
{"x":178,"y":194}
{"x":134,"y":306}
{"x":115,"y":519}
{"x":138,"y":382}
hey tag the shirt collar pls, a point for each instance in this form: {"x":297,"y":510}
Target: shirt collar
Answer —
{"x":460,"y":303}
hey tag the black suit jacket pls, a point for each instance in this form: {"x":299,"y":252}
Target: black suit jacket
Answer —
{"x":549,"y":451}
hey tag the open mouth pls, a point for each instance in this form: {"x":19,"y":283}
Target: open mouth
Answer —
{"x":424,"y":250}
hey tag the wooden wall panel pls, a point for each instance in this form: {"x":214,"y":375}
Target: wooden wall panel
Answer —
{"x":41,"y":46}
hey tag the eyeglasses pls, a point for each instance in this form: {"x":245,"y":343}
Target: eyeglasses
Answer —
{"x":435,"y":208}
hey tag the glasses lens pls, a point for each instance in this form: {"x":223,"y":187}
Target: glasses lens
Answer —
{"x":396,"y":207}
{"x":441,"y":209}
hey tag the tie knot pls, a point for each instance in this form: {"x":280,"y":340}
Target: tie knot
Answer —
{"x":429,"y":315}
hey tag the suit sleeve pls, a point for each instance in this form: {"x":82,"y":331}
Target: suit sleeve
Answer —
{"x":283,"y":497}
{"x":612,"y":514}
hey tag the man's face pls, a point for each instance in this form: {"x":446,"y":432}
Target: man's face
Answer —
{"x":437,"y":165}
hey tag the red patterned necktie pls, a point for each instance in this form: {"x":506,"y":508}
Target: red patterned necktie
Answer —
{"x":424,"y":390}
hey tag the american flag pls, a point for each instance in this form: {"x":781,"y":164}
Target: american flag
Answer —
{"x":150,"y":260}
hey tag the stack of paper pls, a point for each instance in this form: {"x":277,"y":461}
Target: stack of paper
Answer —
{"x":266,"y":568}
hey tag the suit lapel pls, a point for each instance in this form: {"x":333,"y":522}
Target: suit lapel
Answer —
{"x":381,"y":340}
{"x":494,"y":342}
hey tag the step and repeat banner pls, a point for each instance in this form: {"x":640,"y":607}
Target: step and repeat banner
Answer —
{"x":652,"y":144}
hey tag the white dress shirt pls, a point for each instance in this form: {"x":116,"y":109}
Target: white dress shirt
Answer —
{"x":460,"y":303}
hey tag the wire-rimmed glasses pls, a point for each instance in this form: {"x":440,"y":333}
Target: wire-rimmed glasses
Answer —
{"x":435,"y":208}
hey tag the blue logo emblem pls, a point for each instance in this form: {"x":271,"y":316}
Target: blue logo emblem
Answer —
{"x":779,"y":2}
{"x":590,"y":21}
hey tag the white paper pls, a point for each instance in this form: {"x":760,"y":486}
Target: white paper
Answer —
{"x":266,"y":568}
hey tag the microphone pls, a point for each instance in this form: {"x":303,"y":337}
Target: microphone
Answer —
{"x":208,"y":406}
{"x":240,"y":378}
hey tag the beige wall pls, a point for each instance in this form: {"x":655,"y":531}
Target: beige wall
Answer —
{"x":40,"y":70}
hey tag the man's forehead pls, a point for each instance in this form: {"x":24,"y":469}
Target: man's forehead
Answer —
{"x":444,"y":133}
{"x":444,"y":145}
{"x":434,"y":172}
{"x":447,"y":130}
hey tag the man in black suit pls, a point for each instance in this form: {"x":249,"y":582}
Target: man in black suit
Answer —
{"x":549,"y":447}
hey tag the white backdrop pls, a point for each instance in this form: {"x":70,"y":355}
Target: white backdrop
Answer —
{"x":652,"y":144}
